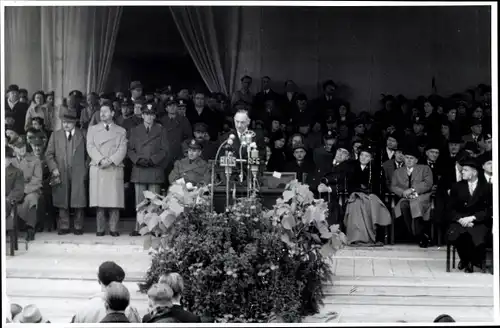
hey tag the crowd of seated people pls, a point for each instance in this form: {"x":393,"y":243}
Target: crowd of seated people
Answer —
{"x":100,"y":149}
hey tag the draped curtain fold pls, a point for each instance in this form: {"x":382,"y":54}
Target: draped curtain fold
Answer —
{"x":212,"y":47}
{"x":22,"y":47}
{"x":77,"y":47}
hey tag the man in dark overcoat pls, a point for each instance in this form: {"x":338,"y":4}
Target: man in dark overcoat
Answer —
{"x":147,"y":149}
{"x":470,"y":209}
{"x":15,"y":109}
{"x":67,"y":159}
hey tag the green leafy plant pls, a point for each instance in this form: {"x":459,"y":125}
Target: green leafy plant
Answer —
{"x":157,"y":213}
{"x":248,"y":264}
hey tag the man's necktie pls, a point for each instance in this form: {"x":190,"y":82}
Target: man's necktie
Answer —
{"x":471,"y":189}
{"x":69,"y":136}
{"x":107,"y":127}
{"x":147,"y":130}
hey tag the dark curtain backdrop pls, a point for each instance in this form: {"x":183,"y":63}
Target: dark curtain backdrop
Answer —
{"x":368,"y":50}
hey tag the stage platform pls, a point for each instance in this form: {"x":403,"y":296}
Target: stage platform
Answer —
{"x":383,"y":284}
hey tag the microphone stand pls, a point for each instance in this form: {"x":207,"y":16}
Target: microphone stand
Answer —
{"x":214,"y":162}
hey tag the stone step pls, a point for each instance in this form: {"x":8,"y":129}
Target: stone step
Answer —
{"x":379,"y":313}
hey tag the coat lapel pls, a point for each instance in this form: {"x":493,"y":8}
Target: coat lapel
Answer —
{"x":78,"y":137}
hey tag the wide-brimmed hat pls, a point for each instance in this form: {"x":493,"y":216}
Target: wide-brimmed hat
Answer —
{"x":68,"y":114}
{"x":135,"y":85}
{"x":411,"y":151}
{"x":30,"y":314}
{"x":471,"y":162}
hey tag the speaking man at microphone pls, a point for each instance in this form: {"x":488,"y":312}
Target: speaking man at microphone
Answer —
{"x":241,"y":137}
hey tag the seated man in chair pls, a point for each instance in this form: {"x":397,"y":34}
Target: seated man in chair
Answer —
{"x":14,"y":185}
{"x":470,"y":209}
{"x":413,"y":183}
{"x":31,"y":167}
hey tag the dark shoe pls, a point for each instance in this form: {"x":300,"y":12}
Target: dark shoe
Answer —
{"x":469,"y":268}
{"x":63,"y":232}
{"x":114,"y":234}
{"x":134,"y":234}
{"x":78,"y":232}
{"x":100,"y":234}
{"x":424,"y":242}
{"x":461,"y":265}
{"x":30,"y":234}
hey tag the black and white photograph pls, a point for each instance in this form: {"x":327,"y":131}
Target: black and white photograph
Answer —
{"x":260,"y":162}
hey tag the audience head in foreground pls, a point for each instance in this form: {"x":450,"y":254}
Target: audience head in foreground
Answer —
{"x":117,"y":298}
{"x":110,"y":272}
{"x":444,"y":318}
{"x":30,"y":314}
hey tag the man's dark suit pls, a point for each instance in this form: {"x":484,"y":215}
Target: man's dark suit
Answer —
{"x":470,"y":242}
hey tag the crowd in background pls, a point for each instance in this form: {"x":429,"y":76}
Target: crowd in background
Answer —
{"x":413,"y":149}
{"x":432,"y":154}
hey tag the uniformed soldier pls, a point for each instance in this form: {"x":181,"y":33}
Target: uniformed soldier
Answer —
{"x":147,"y":149}
{"x":178,"y":129}
{"x":193,"y":168}
{"x":209,"y":148}
{"x":127,"y":111}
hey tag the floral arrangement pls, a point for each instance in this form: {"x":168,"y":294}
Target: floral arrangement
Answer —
{"x":248,"y":264}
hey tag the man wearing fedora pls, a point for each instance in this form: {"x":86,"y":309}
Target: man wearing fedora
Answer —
{"x":30,"y":314}
{"x":413,"y":184}
{"x":67,"y":160}
{"x":107,"y":148}
{"x":147,"y":149}
{"x":15,"y":109}
{"x":470,"y":211}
